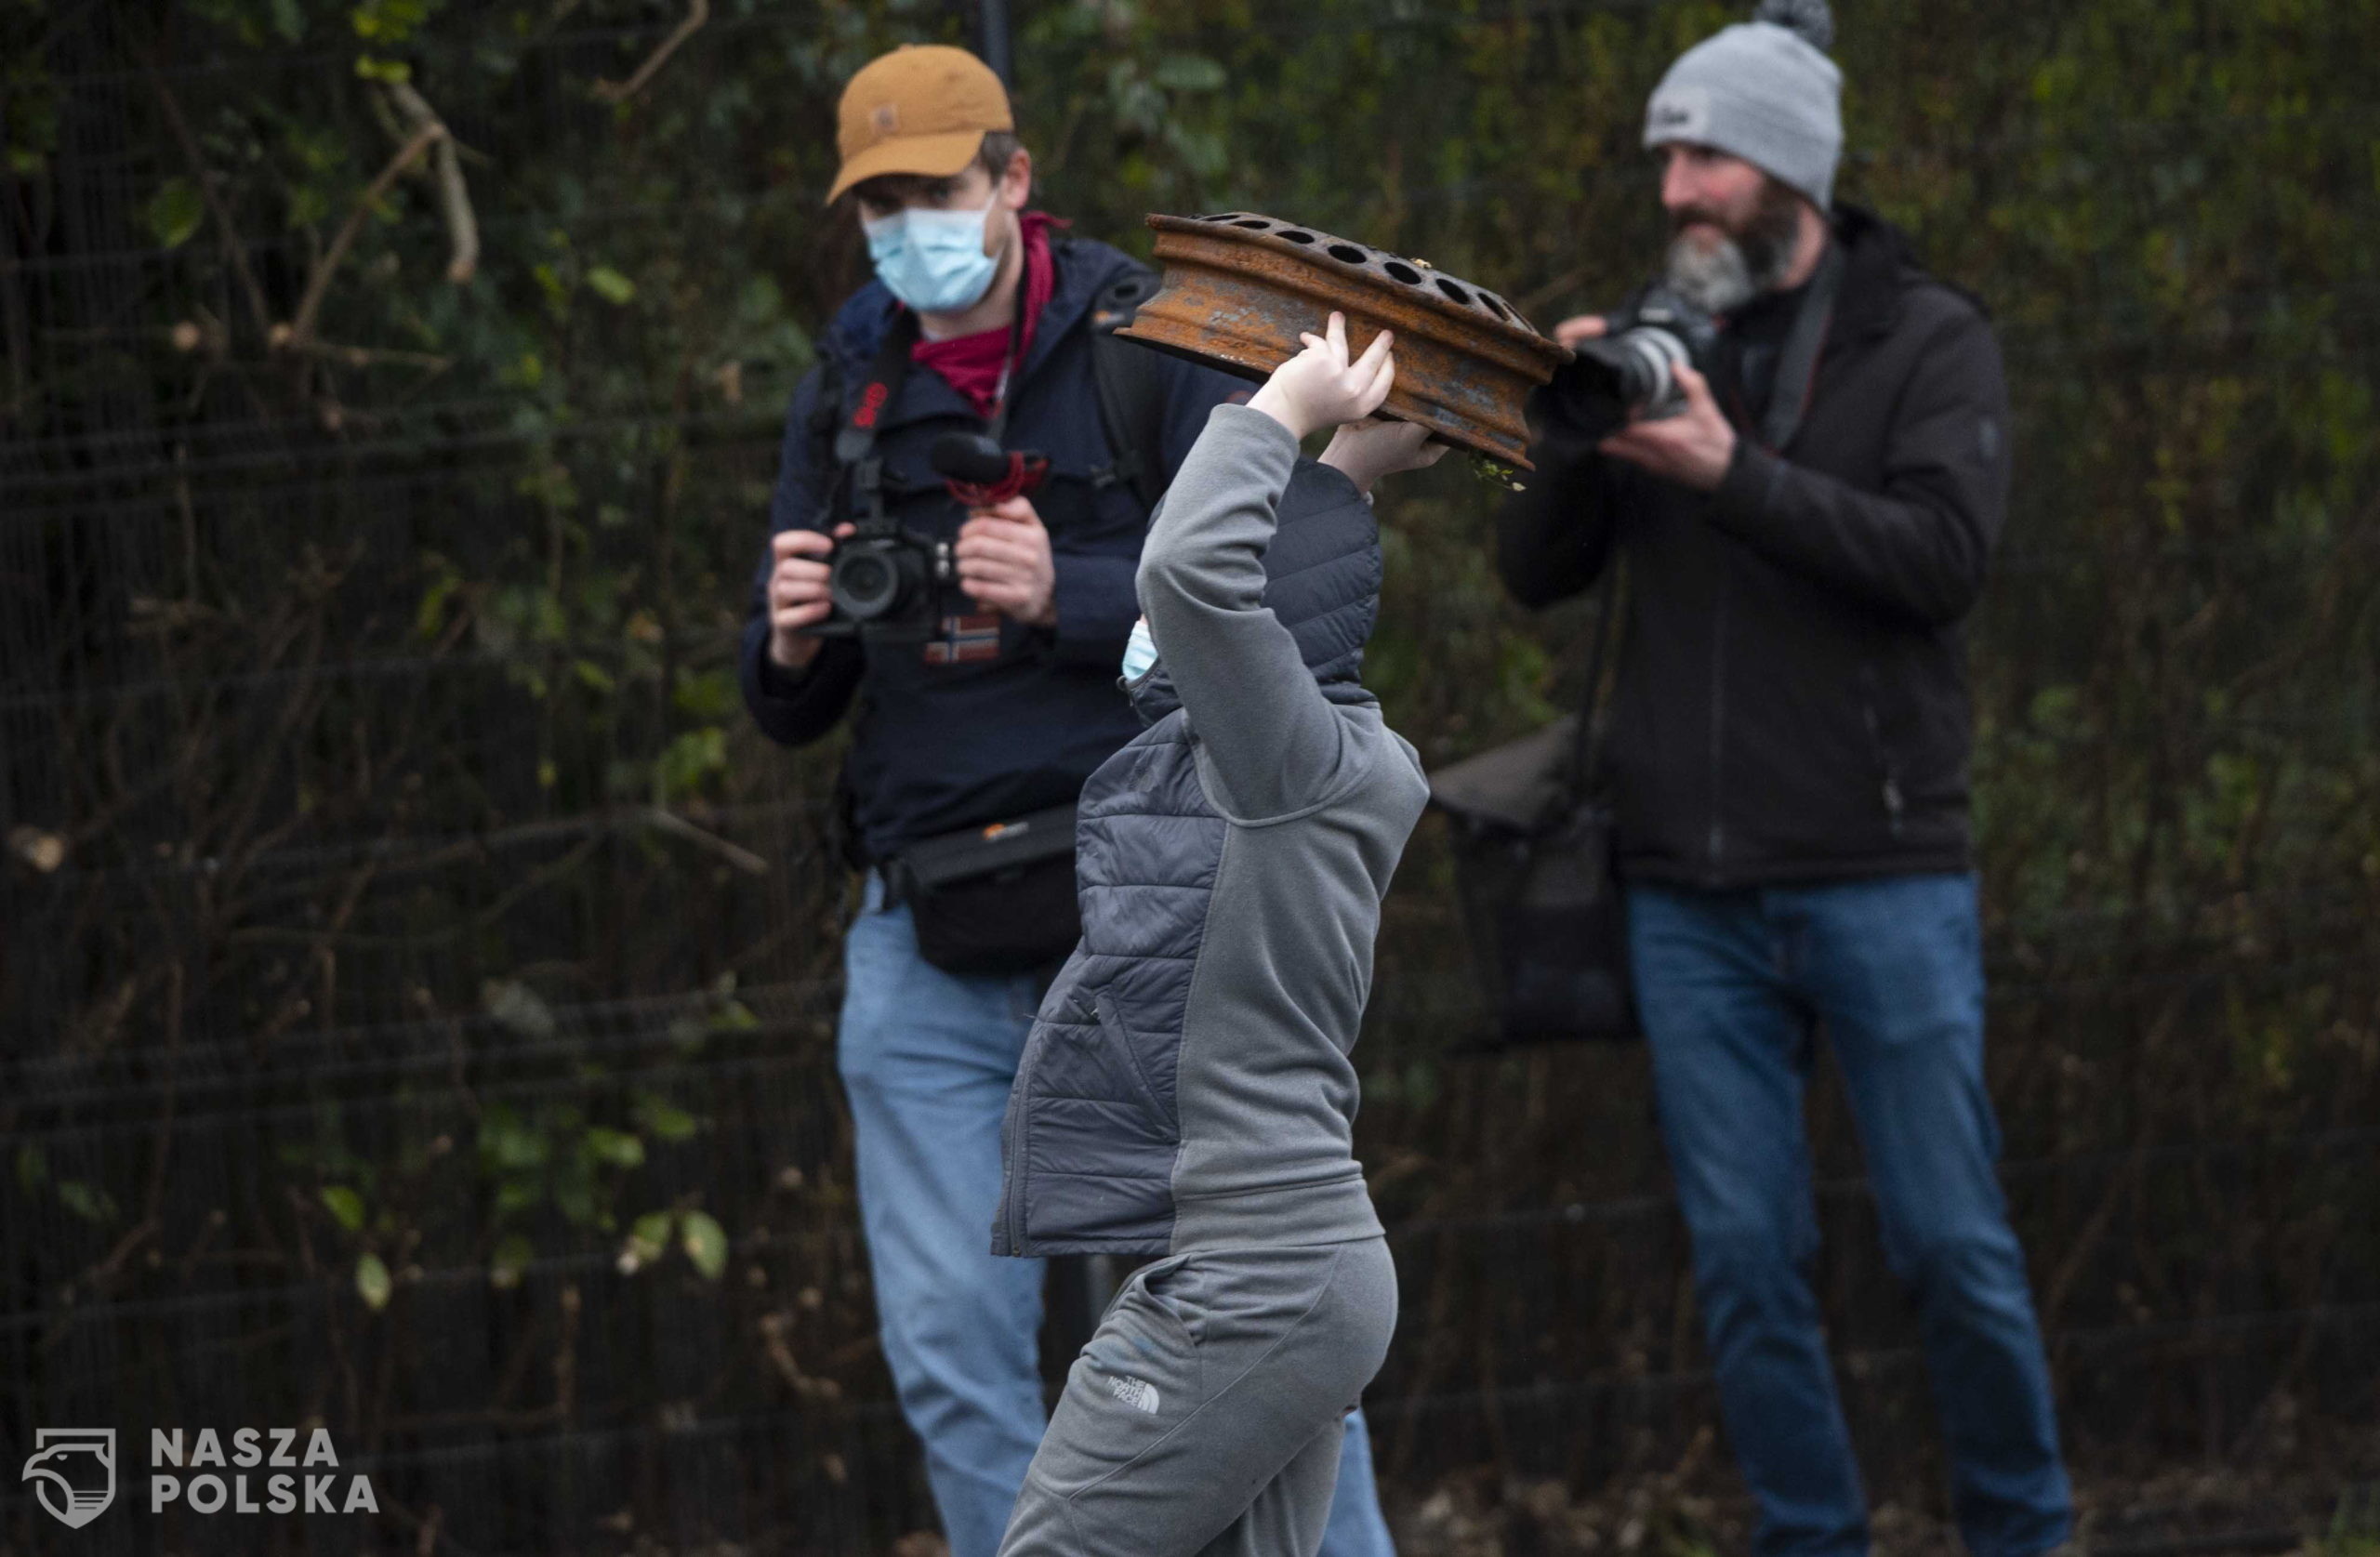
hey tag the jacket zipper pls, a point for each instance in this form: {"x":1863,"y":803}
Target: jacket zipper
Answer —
{"x":1014,"y":1128}
{"x":1717,"y":842}
{"x":1885,"y":763}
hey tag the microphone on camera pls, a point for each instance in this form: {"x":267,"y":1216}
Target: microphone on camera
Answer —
{"x":980,"y":473}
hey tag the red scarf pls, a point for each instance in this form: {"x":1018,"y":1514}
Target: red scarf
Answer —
{"x":972,"y":364}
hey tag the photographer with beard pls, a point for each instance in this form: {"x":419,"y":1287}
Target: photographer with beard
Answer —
{"x":1788,"y":761}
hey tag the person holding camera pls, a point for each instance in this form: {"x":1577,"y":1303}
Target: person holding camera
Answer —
{"x":965,"y":485}
{"x":1797,"y":441}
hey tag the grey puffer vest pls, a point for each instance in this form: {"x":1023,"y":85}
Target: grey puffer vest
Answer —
{"x":1189,"y":1084}
{"x":1094,"y":1124}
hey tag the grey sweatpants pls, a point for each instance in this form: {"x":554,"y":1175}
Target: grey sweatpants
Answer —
{"x":1204,"y":1418}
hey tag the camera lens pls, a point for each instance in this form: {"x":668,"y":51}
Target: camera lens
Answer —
{"x":1648,"y":371}
{"x":866,"y":585}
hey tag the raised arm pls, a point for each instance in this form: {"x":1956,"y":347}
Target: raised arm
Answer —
{"x":1271,"y":737}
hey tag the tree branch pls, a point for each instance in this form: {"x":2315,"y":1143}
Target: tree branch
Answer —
{"x":227,"y":235}
{"x":300,"y":330}
{"x":447,"y":166}
{"x":697,"y":12}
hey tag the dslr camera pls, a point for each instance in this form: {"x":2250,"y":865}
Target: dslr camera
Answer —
{"x":1629,"y":373}
{"x":890,"y":584}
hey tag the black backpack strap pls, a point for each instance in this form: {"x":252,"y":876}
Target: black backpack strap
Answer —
{"x":1132,"y":390}
{"x":826,"y":420}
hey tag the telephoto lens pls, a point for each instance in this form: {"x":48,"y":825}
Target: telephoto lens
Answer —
{"x":1630,"y":372}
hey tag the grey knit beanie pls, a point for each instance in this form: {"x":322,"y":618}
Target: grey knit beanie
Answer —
{"x":1763,"y":90}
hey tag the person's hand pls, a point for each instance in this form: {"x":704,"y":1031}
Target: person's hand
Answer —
{"x":1367,"y":450}
{"x":1693,"y":448}
{"x":1319,"y":387}
{"x":1004,"y":562}
{"x":1578,"y":328}
{"x":797,"y":598}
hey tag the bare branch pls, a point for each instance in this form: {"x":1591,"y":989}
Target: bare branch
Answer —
{"x":226,"y":234}
{"x":734,"y":855}
{"x":364,"y":356}
{"x":697,"y":12}
{"x":447,"y":166}
{"x":300,"y":330}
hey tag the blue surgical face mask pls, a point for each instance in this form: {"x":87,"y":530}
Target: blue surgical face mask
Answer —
{"x":1140,"y":651}
{"x":933,"y":260}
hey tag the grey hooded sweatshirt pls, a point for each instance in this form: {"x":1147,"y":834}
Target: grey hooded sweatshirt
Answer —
{"x":1187,"y":1085}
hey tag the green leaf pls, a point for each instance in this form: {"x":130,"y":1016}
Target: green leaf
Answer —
{"x":610,"y":284}
{"x":372,"y":1283}
{"x":616,"y":1147}
{"x":648,"y":1240}
{"x":345,"y":1206}
{"x":88,"y":1201}
{"x":705,"y":1243}
{"x":508,"y":1144}
{"x":515,"y":1005}
{"x":431,"y":614}
{"x":709,"y":695}
{"x":665,"y":1121}
{"x":1189,"y":72}
{"x":288,"y":21}
{"x":574,"y":1191}
{"x":32,"y":1167}
{"x":689,"y":759}
{"x":173,"y":212}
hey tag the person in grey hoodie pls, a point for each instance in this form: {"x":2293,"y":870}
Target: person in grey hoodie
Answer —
{"x":1186,"y":1091}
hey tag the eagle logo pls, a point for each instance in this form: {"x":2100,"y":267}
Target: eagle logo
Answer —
{"x":74,"y":1469}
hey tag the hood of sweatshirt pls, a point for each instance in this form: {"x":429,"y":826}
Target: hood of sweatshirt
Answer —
{"x":1322,"y":580}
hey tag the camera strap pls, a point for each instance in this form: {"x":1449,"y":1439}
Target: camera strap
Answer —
{"x":1797,"y":363}
{"x":855,"y":442}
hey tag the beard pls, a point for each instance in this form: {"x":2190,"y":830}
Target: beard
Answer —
{"x":1723,"y":269}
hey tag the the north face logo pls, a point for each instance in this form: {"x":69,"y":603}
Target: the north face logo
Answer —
{"x":1138,"y":1394}
{"x":885,"y":117}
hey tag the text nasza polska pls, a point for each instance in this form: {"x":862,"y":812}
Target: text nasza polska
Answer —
{"x":212,"y":1494}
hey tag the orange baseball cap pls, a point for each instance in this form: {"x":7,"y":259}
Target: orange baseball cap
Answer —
{"x":922,"y":109}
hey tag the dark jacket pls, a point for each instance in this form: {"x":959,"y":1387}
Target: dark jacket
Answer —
{"x":1792,"y":701}
{"x":1187,"y":1084}
{"x":941,"y":748}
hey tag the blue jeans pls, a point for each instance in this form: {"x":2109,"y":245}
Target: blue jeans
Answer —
{"x":1732,"y":986}
{"x":927,"y":1059}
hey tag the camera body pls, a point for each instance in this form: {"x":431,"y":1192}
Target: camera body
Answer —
{"x":1630,"y":372}
{"x":890,"y":584}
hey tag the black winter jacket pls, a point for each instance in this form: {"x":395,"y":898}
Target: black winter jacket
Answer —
{"x":1792,"y":702}
{"x":940,"y":747}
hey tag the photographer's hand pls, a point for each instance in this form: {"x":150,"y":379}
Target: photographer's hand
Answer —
{"x":1004,"y":562}
{"x":797,"y":598}
{"x":1319,"y":387}
{"x":1693,"y":448}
